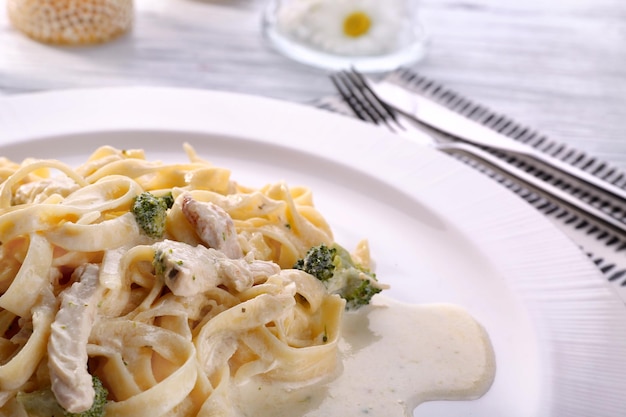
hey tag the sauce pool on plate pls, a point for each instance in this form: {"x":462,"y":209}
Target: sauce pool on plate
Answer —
{"x":394,"y":357}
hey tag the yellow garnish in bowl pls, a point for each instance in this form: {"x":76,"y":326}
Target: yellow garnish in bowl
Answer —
{"x":356,"y":24}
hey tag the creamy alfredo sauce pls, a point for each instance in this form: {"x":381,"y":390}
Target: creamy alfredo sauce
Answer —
{"x":395,"y":356}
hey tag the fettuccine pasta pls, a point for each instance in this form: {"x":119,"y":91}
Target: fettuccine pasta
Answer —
{"x":167,"y":324}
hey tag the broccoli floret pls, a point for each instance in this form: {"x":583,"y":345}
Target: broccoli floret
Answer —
{"x":318,"y":262}
{"x":340,"y":274}
{"x":44,"y":404}
{"x":359,"y":293}
{"x":151,"y":211}
{"x":168,"y":199}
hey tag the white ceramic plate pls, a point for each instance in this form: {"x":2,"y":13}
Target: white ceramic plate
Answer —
{"x":439,"y":231}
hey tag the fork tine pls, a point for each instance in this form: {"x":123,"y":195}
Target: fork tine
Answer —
{"x":385,"y":111}
{"x":348,"y":97}
{"x":362,"y":100}
{"x":352,"y":97}
{"x":356,"y":86}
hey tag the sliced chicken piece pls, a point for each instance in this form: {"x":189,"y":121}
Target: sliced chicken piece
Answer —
{"x":188,"y":270}
{"x":67,"y":347}
{"x":213,"y":224}
{"x":38,"y":191}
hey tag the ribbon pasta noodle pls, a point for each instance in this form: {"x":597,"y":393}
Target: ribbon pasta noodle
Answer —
{"x":80,"y":296}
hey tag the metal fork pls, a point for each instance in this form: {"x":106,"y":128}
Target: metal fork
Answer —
{"x":367,"y":106}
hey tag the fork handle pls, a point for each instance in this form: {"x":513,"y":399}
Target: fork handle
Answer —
{"x":545,"y":188}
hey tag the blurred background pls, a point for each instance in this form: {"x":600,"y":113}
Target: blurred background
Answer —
{"x":558,"y":66}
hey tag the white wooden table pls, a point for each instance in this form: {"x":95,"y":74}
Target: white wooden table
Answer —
{"x":558,"y":66}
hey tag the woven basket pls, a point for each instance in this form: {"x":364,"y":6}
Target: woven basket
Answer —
{"x":71,"y":22}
